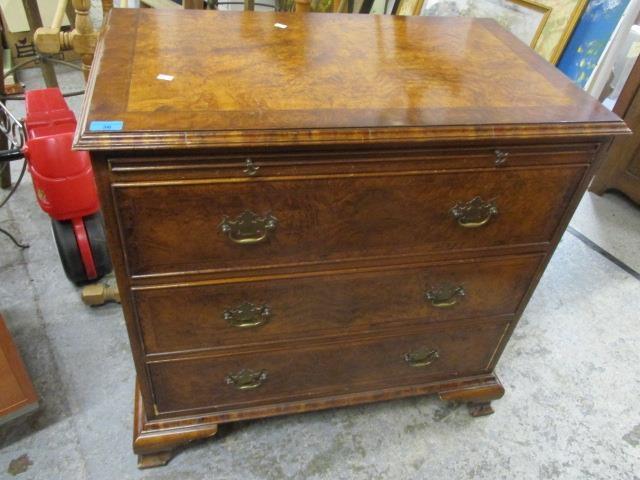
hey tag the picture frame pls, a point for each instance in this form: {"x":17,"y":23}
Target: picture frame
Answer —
{"x":524,"y":18}
{"x":564,"y":17}
{"x":376,"y":7}
{"x":603,"y":72}
{"x":590,"y":40}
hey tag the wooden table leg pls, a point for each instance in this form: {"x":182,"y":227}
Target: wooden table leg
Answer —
{"x":5,"y":171}
{"x":192,"y":4}
{"x":5,"y":176}
{"x":303,"y":6}
{"x":35,"y":21}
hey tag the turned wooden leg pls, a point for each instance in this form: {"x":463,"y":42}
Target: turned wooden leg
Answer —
{"x":5,"y":171}
{"x":302,"y":6}
{"x":156,"y":441}
{"x":5,"y":177}
{"x":478,"y":397}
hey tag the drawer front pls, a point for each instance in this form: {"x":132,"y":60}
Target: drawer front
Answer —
{"x":316,"y":370}
{"x":199,"y":317}
{"x":188,"y":226}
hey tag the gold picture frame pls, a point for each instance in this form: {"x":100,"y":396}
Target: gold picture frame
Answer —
{"x":414,"y":7}
{"x":565,"y":15}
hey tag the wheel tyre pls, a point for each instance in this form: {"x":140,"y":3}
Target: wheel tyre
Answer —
{"x":94,"y":225}
{"x":65,"y":239}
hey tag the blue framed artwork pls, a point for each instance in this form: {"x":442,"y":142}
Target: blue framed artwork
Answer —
{"x":590,"y":38}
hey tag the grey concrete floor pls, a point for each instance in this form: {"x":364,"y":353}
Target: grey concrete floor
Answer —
{"x":571,"y":372}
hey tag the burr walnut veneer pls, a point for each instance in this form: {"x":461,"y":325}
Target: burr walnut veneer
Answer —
{"x":351,"y":209}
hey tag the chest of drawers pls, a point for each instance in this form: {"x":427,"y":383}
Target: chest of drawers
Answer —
{"x":351,"y":209}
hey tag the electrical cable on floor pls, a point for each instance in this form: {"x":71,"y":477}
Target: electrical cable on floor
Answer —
{"x":13,"y":239}
{"x":15,"y":186}
{"x":6,"y":199}
{"x":36,"y":59}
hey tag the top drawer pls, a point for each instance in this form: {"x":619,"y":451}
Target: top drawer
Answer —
{"x":182,"y":225}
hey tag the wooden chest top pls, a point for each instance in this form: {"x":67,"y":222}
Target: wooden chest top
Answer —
{"x":238,"y":79}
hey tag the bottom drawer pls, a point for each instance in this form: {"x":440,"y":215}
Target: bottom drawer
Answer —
{"x":314,"y":370}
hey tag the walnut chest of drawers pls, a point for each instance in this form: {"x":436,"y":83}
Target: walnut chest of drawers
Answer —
{"x":350,"y":209}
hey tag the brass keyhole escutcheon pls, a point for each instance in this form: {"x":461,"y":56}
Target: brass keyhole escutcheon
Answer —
{"x":501,"y":158}
{"x":250,"y":168}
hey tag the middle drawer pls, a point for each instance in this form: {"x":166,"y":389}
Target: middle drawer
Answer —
{"x":317,"y":304}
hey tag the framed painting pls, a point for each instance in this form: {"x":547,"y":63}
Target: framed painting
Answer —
{"x":526,"y":19}
{"x":619,"y":45}
{"x":564,"y":17}
{"x":590,"y":38}
{"x":376,"y":7}
{"x":408,"y":7}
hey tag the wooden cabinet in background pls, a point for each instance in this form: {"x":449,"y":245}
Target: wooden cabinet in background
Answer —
{"x":17,"y":395}
{"x":621,"y":169}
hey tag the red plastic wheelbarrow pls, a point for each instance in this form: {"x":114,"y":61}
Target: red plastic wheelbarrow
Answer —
{"x":64,"y":185}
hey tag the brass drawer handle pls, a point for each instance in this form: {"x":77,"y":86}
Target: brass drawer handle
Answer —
{"x":475,"y":213}
{"x":422,"y":357}
{"x":445,"y":297}
{"x":248,"y":228}
{"x":246,"y":379}
{"x":247,"y":315}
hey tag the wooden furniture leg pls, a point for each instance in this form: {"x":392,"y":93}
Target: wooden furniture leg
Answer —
{"x":192,"y":4}
{"x":107,"y":5}
{"x":5,"y":175}
{"x":478,"y":397}
{"x":71,"y":13}
{"x":621,"y":169}
{"x":83,"y":36}
{"x":303,"y":6}
{"x":35,"y":22}
{"x":599,"y":185}
{"x":5,"y":171}
{"x":155,"y":441}
{"x":100,"y":293}
{"x":82,"y":39}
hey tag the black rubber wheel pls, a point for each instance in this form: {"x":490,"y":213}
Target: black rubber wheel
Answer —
{"x":94,"y":225}
{"x":68,"y":250}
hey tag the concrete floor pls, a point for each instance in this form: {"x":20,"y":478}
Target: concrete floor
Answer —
{"x":571,"y":372}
